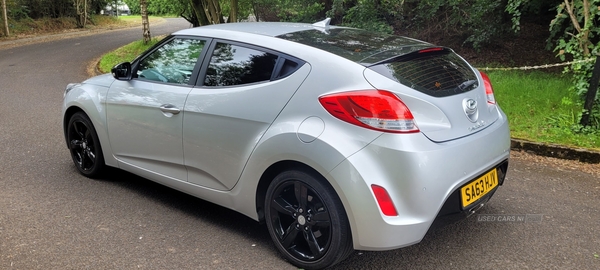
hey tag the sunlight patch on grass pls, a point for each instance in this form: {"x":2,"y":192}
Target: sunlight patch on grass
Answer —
{"x":125,"y":54}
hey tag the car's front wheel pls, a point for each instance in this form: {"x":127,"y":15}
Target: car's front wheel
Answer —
{"x":84,"y":145}
{"x":307,"y":221}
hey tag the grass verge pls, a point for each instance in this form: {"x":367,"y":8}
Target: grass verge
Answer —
{"x":540,"y":108}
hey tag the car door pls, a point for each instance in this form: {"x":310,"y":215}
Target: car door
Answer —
{"x":145,"y":114}
{"x":241,"y":91}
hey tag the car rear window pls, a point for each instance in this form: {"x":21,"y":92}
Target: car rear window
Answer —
{"x":438,"y":74}
{"x":419,"y":65}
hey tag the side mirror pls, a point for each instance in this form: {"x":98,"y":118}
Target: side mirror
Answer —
{"x":122,"y":71}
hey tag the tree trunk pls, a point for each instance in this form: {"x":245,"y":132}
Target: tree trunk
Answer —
{"x":218,"y":12}
{"x":5,"y":17}
{"x":198,"y":9}
{"x":591,"y":94}
{"x":85,"y":12}
{"x":255,"y":10}
{"x":585,"y":30}
{"x":145,"y":22}
{"x":233,"y":11}
{"x":207,"y":11}
{"x":81,"y":12}
{"x":212,"y":10}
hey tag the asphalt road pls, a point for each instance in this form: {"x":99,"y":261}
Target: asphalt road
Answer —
{"x":53,"y":218}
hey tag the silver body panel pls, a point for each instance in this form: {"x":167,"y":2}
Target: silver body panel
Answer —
{"x":140,"y":133}
{"x":228,"y":122}
{"x":223,"y":139}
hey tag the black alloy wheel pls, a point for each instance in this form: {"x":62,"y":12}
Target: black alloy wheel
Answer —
{"x":84,"y":145}
{"x":306,"y":221}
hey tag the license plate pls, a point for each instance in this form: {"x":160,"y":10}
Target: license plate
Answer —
{"x":474,"y":190}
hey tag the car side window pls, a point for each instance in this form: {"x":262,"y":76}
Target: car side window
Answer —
{"x":173,"y":62}
{"x":234,"y":65}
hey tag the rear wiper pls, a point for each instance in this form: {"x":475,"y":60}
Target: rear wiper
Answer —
{"x":466,"y":84}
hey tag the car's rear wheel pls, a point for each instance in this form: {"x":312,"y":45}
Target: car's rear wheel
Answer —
{"x":307,"y":221}
{"x":84,"y":145}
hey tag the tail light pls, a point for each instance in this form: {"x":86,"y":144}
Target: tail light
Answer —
{"x":372,"y":109}
{"x":384,"y":201}
{"x":489,"y":91}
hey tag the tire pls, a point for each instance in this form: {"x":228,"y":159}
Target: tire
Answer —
{"x":307,"y":221}
{"x":84,"y":146}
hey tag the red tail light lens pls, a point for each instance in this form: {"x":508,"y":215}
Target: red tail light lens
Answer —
{"x":373,"y":109}
{"x":489,"y":91}
{"x":384,"y":201}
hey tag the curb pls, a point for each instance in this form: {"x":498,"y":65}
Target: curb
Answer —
{"x":8,"y":44}
{"x":556,"y":151}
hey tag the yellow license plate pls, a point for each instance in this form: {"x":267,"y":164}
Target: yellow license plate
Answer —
{"x":475,"y":190}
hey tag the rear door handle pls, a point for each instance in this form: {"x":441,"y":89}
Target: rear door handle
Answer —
{"x":169,"y":108}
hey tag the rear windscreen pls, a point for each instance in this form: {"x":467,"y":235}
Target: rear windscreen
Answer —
{"x":436,"y":74}
{"x":435,"y":71}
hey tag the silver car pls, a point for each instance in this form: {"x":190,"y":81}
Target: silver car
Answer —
{"x":338,"y":139}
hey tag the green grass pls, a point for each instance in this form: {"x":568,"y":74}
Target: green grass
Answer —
{"x":124,"y":54}
{"x":540,"y":108}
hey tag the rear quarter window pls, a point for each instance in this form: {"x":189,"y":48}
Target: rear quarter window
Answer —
{"x":234,"y":65}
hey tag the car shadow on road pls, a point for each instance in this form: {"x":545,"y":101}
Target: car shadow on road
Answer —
{"x":234,"y":222}
{"x":443,"y":247}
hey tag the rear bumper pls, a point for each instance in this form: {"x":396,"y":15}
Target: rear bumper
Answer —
{"x":423,"y":179}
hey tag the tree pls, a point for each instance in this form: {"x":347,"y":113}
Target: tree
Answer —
{"x":233,"y":11}
{"x":81,"y":12}
{"x":145,"y":22}
{"x":5,"y":18}
{"x":581,"y":27}
{"x":212,"y":9}
{"x":211,"y":12}
{"x":576,"y":28}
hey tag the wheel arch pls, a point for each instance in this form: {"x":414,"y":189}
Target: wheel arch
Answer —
{"x":286,"y":165}
{"x":67,"y":116}
{"x":342,"y":242}
{"x":98,"y":127}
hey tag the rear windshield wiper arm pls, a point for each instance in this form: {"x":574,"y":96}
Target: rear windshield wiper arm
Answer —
{"x":466,"y":84}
